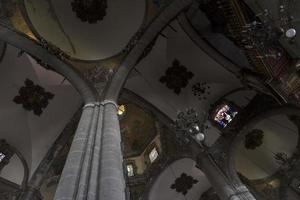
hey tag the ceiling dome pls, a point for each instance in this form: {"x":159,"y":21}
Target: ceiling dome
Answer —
{"x":56,"y":22}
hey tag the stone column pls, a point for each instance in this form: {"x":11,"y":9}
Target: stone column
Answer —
{"x":112,"y":180}
{"x":93,"y":169}
{"x":112,"y":183}
{"x":226,"y":189}
{"x":74,"y":181}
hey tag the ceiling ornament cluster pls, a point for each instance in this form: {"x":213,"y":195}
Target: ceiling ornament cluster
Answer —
{"x":176,"y":77}
{"x":254,"y":139}
{"x":183,"y":183}
{"x":90,"y":11}
{"x":33,"y":97}
{"x":201,"y":90}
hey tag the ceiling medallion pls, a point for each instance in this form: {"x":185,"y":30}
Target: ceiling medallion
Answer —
{"x":254,"y":139}
{"x":90,"y":11}
{"x":33,"y":97}
{"x":183,"y":183}
{"x":176,"y":77}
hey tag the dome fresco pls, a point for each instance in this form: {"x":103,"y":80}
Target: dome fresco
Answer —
{"x":56,"y":22}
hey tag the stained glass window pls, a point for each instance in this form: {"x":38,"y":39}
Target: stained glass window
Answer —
{"x":2,"y":156}
{"x":225,"y":115}
{"x":6,"y":152}
{"x":121,"y":110}
{"x":130,"y":171}
{"x":153,"y":155}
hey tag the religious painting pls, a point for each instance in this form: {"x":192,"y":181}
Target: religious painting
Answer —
{"x":224,"y":114}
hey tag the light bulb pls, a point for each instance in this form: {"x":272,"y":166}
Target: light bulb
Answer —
{"x":290,"y":33}
{"x":200,"y":136}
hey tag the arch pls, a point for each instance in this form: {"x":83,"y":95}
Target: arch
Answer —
{"x":181,"y":162}
{"x":238,"y":71}
{"x":203,"y":45}
{"x":25,"y":166}
{"x":26,"y":169}
{"x":160,"y":22}
{"x":286,"y":110}
{"x":131,"y":96}
{"x":101,"y":122}
{"x":33,"y":48}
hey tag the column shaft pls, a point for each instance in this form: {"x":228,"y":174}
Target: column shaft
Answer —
{"x":224,"y":188}
{"x":93,"y":169}
{"x":72,"y":182}
{"x":112,"y":183}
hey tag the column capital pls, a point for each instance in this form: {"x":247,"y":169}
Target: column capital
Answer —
{"x":110,"y":102}
{"x":91,"y":104}
{"x":103,"y":103}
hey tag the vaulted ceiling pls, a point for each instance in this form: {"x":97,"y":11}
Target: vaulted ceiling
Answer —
{"x":31,"y":134}
{"x":55,"y":22}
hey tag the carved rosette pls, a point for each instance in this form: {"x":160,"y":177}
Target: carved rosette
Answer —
{"x":183,"y":183}
{"x":176,"y":77}
{"x":90,"y":11}
{"x":33,"y":97}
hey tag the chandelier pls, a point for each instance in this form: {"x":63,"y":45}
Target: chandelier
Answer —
{"x":89,"y":11}
{"x":190,"y":126}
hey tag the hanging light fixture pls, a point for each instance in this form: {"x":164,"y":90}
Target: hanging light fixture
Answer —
{"x":89,"y":11}
{"x":121,"y":110}
{"x":189,"y":125}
